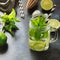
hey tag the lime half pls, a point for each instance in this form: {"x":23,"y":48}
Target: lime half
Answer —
{"x":54,"y":23}
{"x":46,"y":4}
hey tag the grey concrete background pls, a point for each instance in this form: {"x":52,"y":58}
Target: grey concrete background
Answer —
{"x":18,"y":48}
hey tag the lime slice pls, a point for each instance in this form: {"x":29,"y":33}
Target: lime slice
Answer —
{"x":37,"y":45}
{"x":54,"y":23}
{"x":46,"y":4}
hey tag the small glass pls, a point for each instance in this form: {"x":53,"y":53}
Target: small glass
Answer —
{"x":46,"y":38}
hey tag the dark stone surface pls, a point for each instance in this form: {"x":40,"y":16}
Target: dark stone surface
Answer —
{"x":18,"y":46}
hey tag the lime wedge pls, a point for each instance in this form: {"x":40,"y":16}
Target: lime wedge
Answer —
{"x":54,"y":23}
{"x":46,"y":4}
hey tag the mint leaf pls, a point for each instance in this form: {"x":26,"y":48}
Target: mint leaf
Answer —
{"x":37,"y":34}
{"x":17,"y":20}
{"x":4,"y":17}
{"x":12,"y":15}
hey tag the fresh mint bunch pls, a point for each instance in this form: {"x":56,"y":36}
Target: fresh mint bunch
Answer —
{"x":9,"y":22}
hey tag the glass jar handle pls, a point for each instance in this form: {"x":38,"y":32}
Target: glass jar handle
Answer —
{"x":53,"y":36}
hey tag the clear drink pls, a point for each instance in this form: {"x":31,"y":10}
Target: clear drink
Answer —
{"x":40,"y":37}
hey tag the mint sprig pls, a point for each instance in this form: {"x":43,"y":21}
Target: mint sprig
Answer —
{"x":39,"y":24}
{"x":9,"y":22}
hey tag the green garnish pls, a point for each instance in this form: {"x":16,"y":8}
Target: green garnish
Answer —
{"x":9,"y":22}
{"x":39,"y":25}
{"x":39,"y":22}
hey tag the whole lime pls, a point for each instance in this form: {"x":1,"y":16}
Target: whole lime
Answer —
{"x":3,"y":39}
